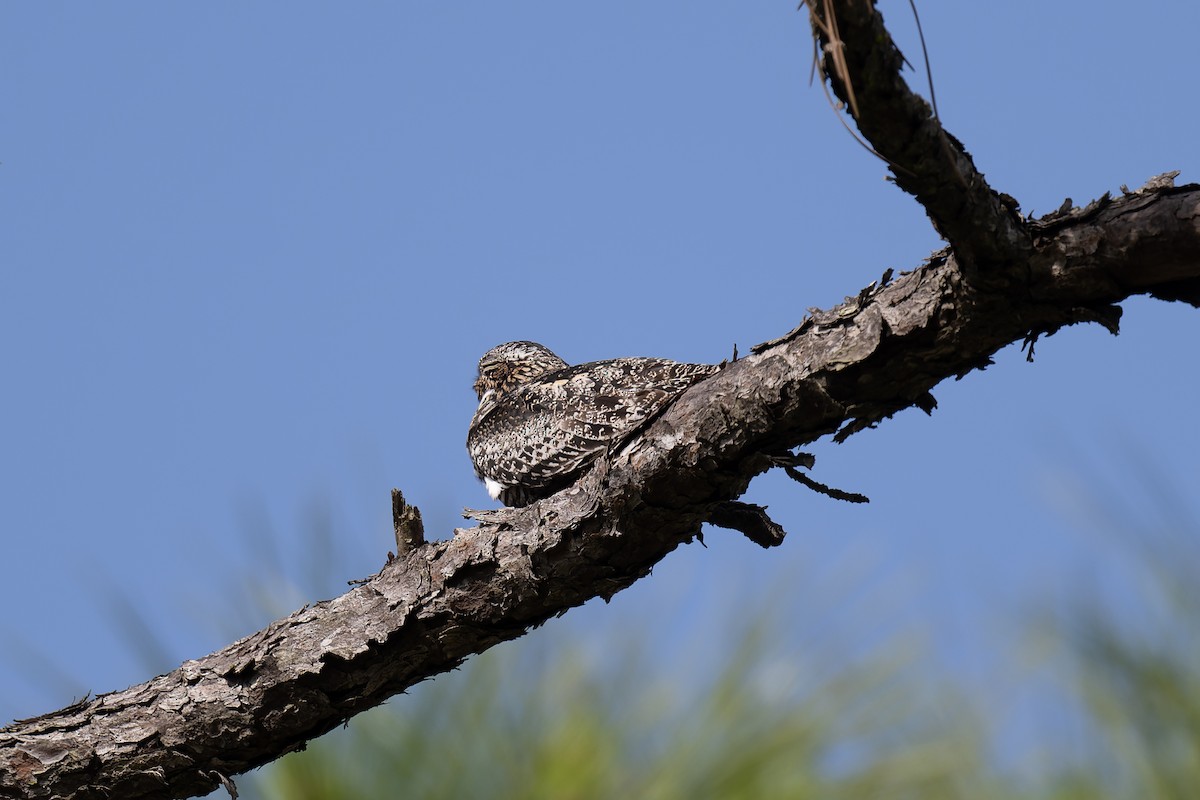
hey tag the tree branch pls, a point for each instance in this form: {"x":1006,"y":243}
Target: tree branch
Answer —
{"x":433,"y":606}
{"x":864,"y":68}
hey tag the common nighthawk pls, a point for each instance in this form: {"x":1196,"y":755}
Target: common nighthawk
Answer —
{"x":540,"y":421}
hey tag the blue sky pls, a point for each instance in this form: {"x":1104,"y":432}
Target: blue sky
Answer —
{"x":251,"y":255}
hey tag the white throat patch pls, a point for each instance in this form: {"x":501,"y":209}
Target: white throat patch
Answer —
{"x":494,"y":488}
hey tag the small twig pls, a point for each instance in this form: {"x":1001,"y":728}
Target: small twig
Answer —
{"x":750,"y":520}
{"x":828,"y":491}
{"x":225,"y":782}
{"x":1027,"y":345}
{"x":925,"y":55}
{"x":406,"y":519}
{"x":792,"y":459}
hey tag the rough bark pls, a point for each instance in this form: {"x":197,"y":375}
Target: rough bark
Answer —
{"x":837,"y":372}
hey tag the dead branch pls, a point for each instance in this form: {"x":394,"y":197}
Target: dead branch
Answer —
{"x":839,"y":371}
{"x":438,"y":603}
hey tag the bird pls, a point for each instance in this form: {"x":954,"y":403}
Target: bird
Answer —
{"x":541,"y":422}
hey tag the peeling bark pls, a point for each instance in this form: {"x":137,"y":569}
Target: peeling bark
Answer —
{"x":1006,"y":279}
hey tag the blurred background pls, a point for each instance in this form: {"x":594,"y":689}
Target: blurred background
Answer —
{"x":251,"y":254}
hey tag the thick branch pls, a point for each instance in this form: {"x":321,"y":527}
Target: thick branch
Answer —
{"x":438,"y":603}
{"x":864,"y":67}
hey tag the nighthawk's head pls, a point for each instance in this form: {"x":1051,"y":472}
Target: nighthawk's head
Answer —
{"x":510,"y":364}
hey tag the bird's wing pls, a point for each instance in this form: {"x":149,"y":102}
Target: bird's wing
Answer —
{"x":540,"y":436}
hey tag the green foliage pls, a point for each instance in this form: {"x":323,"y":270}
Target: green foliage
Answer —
{"x":1135,"y":668}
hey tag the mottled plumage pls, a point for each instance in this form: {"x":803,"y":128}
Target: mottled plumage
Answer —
{"x":540,"y":421}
